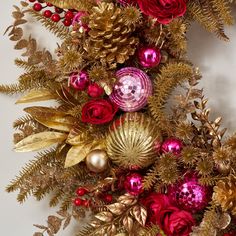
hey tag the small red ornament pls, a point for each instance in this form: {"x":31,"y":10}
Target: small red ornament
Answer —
{"x":58,"y":10}
{"x":108,"y":198}
{"x":95,"y":91}
{"x":172,"y":145}
{"x":81,"y":191}
{"x":47,"y":13}
{"x":133,"y":184}
{"x":86,"y":203}
{"x":79,"y":81}
{"x":49,"y":4}
{"x":149,"y":56}
{"x":69,"y":15}
{"x":32,"y":0}
{"x":231,"y":233}
{"x":55,"y":17}
{"x":37,"y":7}
{"x":78,"y":202}
{"x":67,"y":22}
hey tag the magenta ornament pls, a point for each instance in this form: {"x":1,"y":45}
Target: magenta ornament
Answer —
{"x":79,"y":81}
{"x":133,"y":184}
{"x":149,"y":56}
{"x":189,"y":195}
{"x":132,"y":89}
{"x":77,"y":20}
{"x":95,"y":91}
{"x":172,"y":145}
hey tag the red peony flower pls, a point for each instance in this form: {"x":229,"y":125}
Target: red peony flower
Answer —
{"x":98,"y":111}
{"x":163,"y":10}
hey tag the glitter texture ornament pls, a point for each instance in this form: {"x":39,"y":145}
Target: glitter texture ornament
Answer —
{"x":189,"y":195}
{"x":133,"y":184}
{"x":172,"y":145}
{"x":97,"y":161}
{"x":132,"y":89}
{"x":130,"y":144}
{"x":149,"y":56}
{"x":79,"y":81}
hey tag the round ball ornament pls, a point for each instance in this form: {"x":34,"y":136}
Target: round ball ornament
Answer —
{"x":131,"y":143}
{"x":172,"y":145}
{"x":79,"y":81}
{"x":132,"y":89}
{"x":149,"y":57}
{"x":133,"y":184}
{"x":189,"y":194}
{"x":97,"y":161}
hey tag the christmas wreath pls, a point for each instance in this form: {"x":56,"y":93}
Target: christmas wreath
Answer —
{"x":125,"y":152}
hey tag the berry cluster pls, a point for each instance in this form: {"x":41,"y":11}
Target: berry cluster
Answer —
{"x":55,"y":14}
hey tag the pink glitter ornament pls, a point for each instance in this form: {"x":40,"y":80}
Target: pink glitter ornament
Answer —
{"x":79,"y":81}
{"x":132,"y":89}
{"x":149,"y":56}
{"x":77,"y":20}
{"x":172,"y":145}
{"x":189,"y":195}
{"x":133,"y":184}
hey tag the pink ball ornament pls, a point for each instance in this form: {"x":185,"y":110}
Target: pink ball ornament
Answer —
{"x":77,"y":20}
{"x":133,"y":184}
{"x":79,"y":81}
{"x":95,"y":91}
{"x":132,"y":89}
{"x":149,"y":56}
{"x":189,"y":195}
{"x":172,"y":145}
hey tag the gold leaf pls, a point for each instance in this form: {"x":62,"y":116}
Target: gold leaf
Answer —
{"x":127,"y":200}
{"x":38,"y":234}
{"x":128,"y":223}
{"x":21,"y":44}
{"x":40,"y":140}
{"x":104,"y":216}
{"x":54,"y":223}
{"x":17,"y":14}
{"x":116,"y":208}
{"x":140,"y":214}
{"x":17,"y":34}
{"x":36,"y":96}
{"x":51,"y":118}
{"x":20,"y":22}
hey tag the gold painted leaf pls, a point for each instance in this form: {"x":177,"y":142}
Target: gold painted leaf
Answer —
{"x":116,"y":208}
{"x":39,"y":141}
{"x":37,"y":96}
{"x":51,"y":118}
{"x":128,"y":223}
{"x":104,"y":216}
{"x":127,"y":200}
{"x":140,"y":214}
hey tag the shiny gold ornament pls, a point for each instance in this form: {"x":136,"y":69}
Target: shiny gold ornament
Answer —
{"x":131,"y":141}
{"x":97,"y":161}
{"x":110,"y":38}
{"x":225,"y":194}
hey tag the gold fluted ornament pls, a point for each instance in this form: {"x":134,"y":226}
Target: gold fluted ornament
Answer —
{"x":131,"y":141}
{"x":97,"y":161}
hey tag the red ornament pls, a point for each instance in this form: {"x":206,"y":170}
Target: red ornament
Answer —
{"x":37,"y":7}
{"x":172,"y":145}
{"x":133,"y":184}
{"x":55,"y":17}
{"x":231,"y":233}
{"x":78,"y":202}
{"x":47,"y":13}
{"x":67,"y":22}
{"x":79,"y":81}
{"x":49,"y":4}
{"x":69,"y":15}
{"x":149,"y":56}
{"x":95,"y":91}
{"x":32,"y":0}
{"x":81,"y":191}
{"x":86,"y":203}
{"x":108,"y":198}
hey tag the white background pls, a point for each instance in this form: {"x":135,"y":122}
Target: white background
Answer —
{"x":216,"y":59}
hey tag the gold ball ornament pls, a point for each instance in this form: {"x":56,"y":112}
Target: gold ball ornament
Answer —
{"x":97,"y":161}
{"x":131,"y":141}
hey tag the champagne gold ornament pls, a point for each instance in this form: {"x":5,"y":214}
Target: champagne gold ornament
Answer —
{"x":97,"y":161}
{"x":131,"y":141}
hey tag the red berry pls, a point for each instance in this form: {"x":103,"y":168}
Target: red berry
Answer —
{"x":67,"y":22}
{"x":69,"y":15}
{"x":32,"y":0}
{"x":58,"y":10}
{"x":37,"y":7}
{"x":78,"y":202}
{"x":47,"y":13}
{"x":49,"y":4}
{"x":108,"y":198}
{"x":81,"y":191}
{"x":86,"y":203}
{"x":55,"y":17}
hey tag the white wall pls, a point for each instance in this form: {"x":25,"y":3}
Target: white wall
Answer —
{"x":216,"y":59}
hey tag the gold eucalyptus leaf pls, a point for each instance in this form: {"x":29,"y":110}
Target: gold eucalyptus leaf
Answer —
{"x":104,"y":216}
{"x":37,"y":96}
{"x":51,"y":118}
{"x":140,"y":214}
{"x":128,"y":223}
{"x":39,"y":141}
{"x":127,"y":200}
{"x":117,"y":208}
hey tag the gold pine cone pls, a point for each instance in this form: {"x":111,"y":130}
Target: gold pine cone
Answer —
{"x":131,"y":141}
{"x":110,"y":39}
{"x":225,"y":194}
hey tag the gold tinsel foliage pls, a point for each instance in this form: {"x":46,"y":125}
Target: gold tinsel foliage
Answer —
{"x":110,"y":37}
{"x":131,"y":141}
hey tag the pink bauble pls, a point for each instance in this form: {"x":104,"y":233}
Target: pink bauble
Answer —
{"x":132,"y":89}
{"x":95,"y":91}
{"x":79,"y":81}
{"x":149,"y":56}
{"x":77,"y":20}
{"x":133,"y":184}
{"x":172,"y":145}
{"x":189,"y":195}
